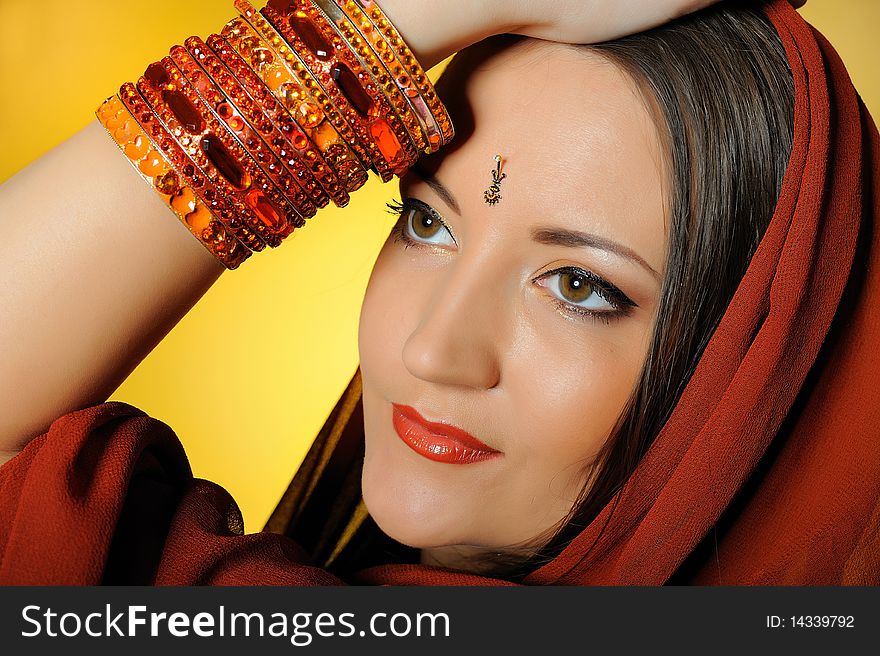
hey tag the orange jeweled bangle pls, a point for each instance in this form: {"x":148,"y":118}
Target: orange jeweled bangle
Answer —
{"x":220,"y":204}
{"x":300,"y":103}
{"x":411,"y":65}
{"x":295,"y":144}
{"x":378,"y":70}
{"x":221,"y":96}
{"x":217,"y":152}
{"x":294,"y":147}
{"x":337,"y":68}
{"x":433,"y":135}
{"x":248,"y":133}
{"x":322,"y":105}
{"x":155,"y":167}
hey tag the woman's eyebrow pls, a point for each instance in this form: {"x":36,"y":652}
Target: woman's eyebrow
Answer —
{"x":437,"y":186}
{"x":549,"y":235}
{"x":554,"y":236}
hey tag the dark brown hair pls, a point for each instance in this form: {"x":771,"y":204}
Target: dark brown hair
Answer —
{"x":720,"y":88}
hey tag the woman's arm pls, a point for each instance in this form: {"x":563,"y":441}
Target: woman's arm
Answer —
{"x":96,"y":271}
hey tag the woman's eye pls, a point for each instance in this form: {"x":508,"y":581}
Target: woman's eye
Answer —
{"x":576,"y":289}
{"x":419,"y":224}
{"x":585,"y":294}
{"x":426,"y":227}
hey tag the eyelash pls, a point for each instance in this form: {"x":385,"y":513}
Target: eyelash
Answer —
{"x":398,"y":208}
{"x":610,"y":293}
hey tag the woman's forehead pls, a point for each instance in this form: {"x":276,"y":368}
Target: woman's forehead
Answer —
{"x":576,"y":137}
{"x":562,"y":106}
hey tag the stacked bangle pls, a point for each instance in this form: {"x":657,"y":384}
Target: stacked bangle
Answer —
{"x":405,"y":70}
{"x":343,"y":78}
{"x":298,"y":100}
{"x":217,"y":152}
{"x":319,"y":105}
{"x":411,"y":65}
{"x":245,"y":135}
{"x":298,"y":182}
{"x":188,"y":170}
{"x":370,"y":61}
{"x":294,"y":144}
{"x":251,"y":138}
{"x":154,"y":165}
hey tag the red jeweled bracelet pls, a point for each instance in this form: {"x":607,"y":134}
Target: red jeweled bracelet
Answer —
{"x":248,"y":133}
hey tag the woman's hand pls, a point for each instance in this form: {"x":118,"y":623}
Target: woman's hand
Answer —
{"x":591,"y":21}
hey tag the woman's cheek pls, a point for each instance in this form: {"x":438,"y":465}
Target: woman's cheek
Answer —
{"x":569,"y":399}
{"x":380,"y":311}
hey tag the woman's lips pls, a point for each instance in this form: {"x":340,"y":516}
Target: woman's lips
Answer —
{"x":437,"y":441}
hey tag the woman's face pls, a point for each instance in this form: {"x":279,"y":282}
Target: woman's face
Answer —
{"x":478,"y":323}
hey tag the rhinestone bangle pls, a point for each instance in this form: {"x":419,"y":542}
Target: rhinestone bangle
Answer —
{"x":153,"y":163}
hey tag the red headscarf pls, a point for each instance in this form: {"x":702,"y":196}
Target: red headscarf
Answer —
{"x":767,"y":471}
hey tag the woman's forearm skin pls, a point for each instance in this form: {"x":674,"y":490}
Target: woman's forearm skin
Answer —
{"x":96,"y":271}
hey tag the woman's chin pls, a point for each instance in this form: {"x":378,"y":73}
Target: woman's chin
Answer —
{"x":411,"y":516}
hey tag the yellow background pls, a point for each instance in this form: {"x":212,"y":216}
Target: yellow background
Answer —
{"x":248,"y":377}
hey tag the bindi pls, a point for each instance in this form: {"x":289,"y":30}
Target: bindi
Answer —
{"x":493,"y":194}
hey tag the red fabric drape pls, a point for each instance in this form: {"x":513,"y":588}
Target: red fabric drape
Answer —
{"x":767,"y":472}
{"x":107,"y":495}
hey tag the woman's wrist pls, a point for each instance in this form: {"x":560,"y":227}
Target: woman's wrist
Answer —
{"x":436,"y":29}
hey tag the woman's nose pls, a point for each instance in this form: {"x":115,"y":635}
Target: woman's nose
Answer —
{"x":458,"y":339}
